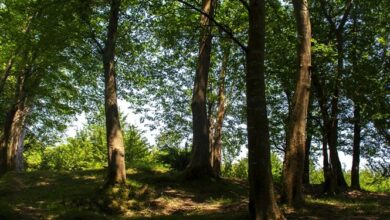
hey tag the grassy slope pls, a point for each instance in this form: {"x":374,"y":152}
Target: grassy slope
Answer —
{"x":159,"y":194}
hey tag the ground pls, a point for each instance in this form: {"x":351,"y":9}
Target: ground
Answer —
{"x":160,"y":194}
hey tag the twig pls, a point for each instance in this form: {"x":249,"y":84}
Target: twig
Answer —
{"x":225,"y":29}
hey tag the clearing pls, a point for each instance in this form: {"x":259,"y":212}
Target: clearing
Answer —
{"x":160,"y":194}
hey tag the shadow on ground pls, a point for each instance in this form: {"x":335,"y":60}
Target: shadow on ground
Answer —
{"x":160,"y":194}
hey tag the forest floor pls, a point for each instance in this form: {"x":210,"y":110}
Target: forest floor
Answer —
{"x":159,"y":194}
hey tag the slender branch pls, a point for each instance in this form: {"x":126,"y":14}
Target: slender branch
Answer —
{"x":224,"y":28}
{"x":98,"y":45}
{"x":327,"y":15}
{"x":348,"y":8}
{"x":343,"y":20}
{"x":92,"y":36}
{"x":245,"y":4}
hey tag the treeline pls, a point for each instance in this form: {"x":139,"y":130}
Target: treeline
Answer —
{"x":303,"y":80}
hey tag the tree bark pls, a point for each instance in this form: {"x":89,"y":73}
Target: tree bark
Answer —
{"x":309,"y":131}
{"x":212,"y":125}
{"x":13,"y":126}
{"x":355,"y":183}
{"x":337,"y":30}
{"x":19,"y":158}
{"x":333,"y":125}
{"x":115,"y":143}
{"x":200,"y":163}
{"x":262,"y":203}
{"x":217,"y":143}
{"x":329,"y":185}
{"x":295,"y":151}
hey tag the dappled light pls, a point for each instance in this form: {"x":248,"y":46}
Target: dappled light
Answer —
{"x":194,"y":109}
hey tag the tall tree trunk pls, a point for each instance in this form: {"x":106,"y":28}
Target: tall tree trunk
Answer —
{"x":13,"y":126}
{"x":333,"y":126}
{"x":337,"y":31}
{"x":211,"y":124}
{"x":309,"y":131}
{"x":355,"y":183}
{"x":19,"y":158}
{"x":295,"y":151}
{"x":329,"y":185}
{"x":200,"y":163}
{"x":16,"y":141}
{"x":262,"y":203}
{"x":115,"y":143}
{"x":217,"y":143}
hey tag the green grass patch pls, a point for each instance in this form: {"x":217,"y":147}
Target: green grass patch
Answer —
{"x":158,"y":193}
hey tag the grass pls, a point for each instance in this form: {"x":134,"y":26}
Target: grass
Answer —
{"x":160,"y":194}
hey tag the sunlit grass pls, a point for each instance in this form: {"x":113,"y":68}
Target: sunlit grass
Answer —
{"x":158,"y":193}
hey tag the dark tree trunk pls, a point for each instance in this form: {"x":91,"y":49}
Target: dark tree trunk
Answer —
{"x":212,"y":125}
{"x":262,"y":203}
{"x":337,"y":31}
{"x":217,"y":143}
{"x":355,"y":183}
{"x":329,"y":185}
{"x":309,"y":131}
{"x":19,"y":159}
{"x":13,"y":126}
{"x":15,"y":146}
{"x":115,"y":144}
{"x":333,"y":126}
{"x":295,"y":151}
{"x":200,"y":163}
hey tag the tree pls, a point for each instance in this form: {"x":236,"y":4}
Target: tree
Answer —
{"x":337,"y":30}
{"x":295,"y":151}
{"x":262,"y":203}
{"x":40,"y":64}
{"x":200,"y":165}
{"x":216,"y":137}
{"x":115,"y":143}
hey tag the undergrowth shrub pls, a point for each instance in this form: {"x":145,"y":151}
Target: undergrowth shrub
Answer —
{"x":175,"y":157}
{"x":239,"y":169}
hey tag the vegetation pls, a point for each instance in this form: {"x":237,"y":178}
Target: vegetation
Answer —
{"x":247,"y":109}
{"x":159,"y":194}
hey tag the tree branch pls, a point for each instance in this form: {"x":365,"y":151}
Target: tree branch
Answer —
{"x":92,"y":36}
{"x":327,"y":15}
{"x":348,"y":8}
{"x":225,"y":29}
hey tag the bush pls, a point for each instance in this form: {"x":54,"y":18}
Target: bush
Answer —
{"x":87,"y":150}
{"x":239,"y":169}
{"x":176,"y":158}
{"x":374,"y":181}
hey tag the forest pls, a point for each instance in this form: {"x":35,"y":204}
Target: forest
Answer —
{"x":194,"y":109}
